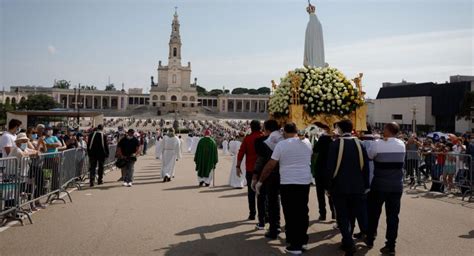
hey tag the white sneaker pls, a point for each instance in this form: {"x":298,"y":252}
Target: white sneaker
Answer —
{"x":125,"y":184}
{"x":129,"y":184}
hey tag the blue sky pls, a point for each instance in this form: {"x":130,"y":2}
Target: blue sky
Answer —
{"x":231,"y":43}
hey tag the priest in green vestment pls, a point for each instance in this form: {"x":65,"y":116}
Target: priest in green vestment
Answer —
{"x":206,"y":159}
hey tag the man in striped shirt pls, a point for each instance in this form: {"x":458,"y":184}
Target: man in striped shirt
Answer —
{"x":387,"y":186}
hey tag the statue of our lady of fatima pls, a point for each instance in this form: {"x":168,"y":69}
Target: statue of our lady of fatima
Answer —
{"x":314,"y":41}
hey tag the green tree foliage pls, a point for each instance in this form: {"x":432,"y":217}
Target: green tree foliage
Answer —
{"x":4,"y":108}
{"x":110,"y":87}
{"x":264,"y":91}
{"x":38,"y":102}
{"x":215,"y":92}
{"x":467,"y":106}
{"x":201,"y":91}
{"x":62,"y":84}
{"x":252,"y":91}
{"x":89,"y":87}
{"x":240,"y":90}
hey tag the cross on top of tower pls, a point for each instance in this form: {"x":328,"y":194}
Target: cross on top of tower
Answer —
{"x":176,"y":11}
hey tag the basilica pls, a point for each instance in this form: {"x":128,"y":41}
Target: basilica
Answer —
{"x":174,"y":91}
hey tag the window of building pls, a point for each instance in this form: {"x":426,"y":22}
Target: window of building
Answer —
{"x":174,"y":79}
{"x":397,"y":117}
{"x":175,"y":52}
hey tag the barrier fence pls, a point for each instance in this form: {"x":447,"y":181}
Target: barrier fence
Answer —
{"x":447,"y":171}
{"x":25,"y":181}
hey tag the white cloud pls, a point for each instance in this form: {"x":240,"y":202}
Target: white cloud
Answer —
{"x":420,"y":57}
{"x":51,"y":49}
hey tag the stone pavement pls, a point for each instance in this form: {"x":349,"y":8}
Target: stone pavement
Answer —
{"x":178,"y":218}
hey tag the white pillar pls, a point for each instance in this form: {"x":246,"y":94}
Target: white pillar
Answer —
{"x":110,"y":102}
{"x":235,"y":105}
{"x":258,"y":106}
{"x":92,"y":103}
{"x":101,"y":102}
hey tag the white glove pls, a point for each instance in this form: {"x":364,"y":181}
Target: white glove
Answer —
{"x":258,"y":186}
{"x":367,"y":191}
{"x":253,"y":184}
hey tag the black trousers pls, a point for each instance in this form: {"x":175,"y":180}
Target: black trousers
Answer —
{"x":294,"y":200}
{"x":321,"y":193}
{"x":251,"y":195}
{"x":348,"y":208}
{"x":94,"y":162}
{"x":376,"y":199}
{"x":272,"y":189}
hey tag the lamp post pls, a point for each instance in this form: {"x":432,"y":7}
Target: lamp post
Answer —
{"x":77,"y":96}
{"x":413,"y":123}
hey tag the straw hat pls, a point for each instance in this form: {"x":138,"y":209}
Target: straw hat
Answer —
{"x":21,"y":137}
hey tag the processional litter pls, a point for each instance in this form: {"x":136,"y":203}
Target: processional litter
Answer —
{"x":317,"y":94}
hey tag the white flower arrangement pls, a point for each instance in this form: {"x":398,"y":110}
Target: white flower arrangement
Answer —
{"x":323,"y":91}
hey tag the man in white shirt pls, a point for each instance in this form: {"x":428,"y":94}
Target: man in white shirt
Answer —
{"x":7,"y":140}
{"x":294,"y":157}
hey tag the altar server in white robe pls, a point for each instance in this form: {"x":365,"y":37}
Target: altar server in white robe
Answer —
{"x":195,"y":144}
{"x":171,"y":146}
{"x":189,"y":143}
{"x":234,"y":180}
{"x":225,"y":147}
{"x":158,"y":147}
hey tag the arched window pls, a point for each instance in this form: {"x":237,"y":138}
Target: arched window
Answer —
{"x":192,"y":98}
{"x":155,"y":97}
{"x":163,"y":97}
{"x":184,"y":98}
{"x":174,"y":98}
{"x":175,"y":52}
{"x":13,"y":100}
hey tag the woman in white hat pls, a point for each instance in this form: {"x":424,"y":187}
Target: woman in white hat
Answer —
{"x":21,"y":149}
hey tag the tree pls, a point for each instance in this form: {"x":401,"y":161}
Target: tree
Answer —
{"x":110,"y":87}
{"x":215,"y":92}
{"x":467,"y":106}
{"x":252,"y":91}
{"x":240,"y":90}
{"x":4,"y":108}
{"x":62,"y":84}
{"x":38,"y":102}
{"x":264,"y":91}
{"x":201,"y":91}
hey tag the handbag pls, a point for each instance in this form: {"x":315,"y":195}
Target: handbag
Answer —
{"x":121,"y":162}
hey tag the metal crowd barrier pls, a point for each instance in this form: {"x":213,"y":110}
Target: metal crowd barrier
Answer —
{"x":446,"y":171}
{"x":25,"y":182}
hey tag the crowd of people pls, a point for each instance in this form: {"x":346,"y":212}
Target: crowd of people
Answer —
{"x":355,"y":175}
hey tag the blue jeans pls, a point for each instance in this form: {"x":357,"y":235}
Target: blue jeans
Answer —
{"x":128,"y":170}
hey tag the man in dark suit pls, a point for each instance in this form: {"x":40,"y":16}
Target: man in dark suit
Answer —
{"x":320,"y":151}
{"x":348,"y":178}
{"x":98,"y":151}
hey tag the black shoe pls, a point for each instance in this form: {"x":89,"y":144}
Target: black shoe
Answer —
{"x":207,"y":185}
{"x":251,"y":217}
{"x":201,"y":184}
{"x":322,"y":218}
{"x":164,"y":179}
{"x":294,"y":250}
{"x":360,"y":236}
{"x":388,"y":250}
{"x":333,"y":215}
{"x":349,"y":249}
{"x":100,"y":182}
{"x":272,"y":235}
{"x":91,"y":184}
{"x":369,"y":243}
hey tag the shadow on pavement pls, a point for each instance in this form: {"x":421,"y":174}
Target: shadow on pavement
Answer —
{"x":217,"y":189}
{"x":470,"y":235}
{"x":238,"y":243}
{"x":183,"y":188}
{"x":234,"y":195}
